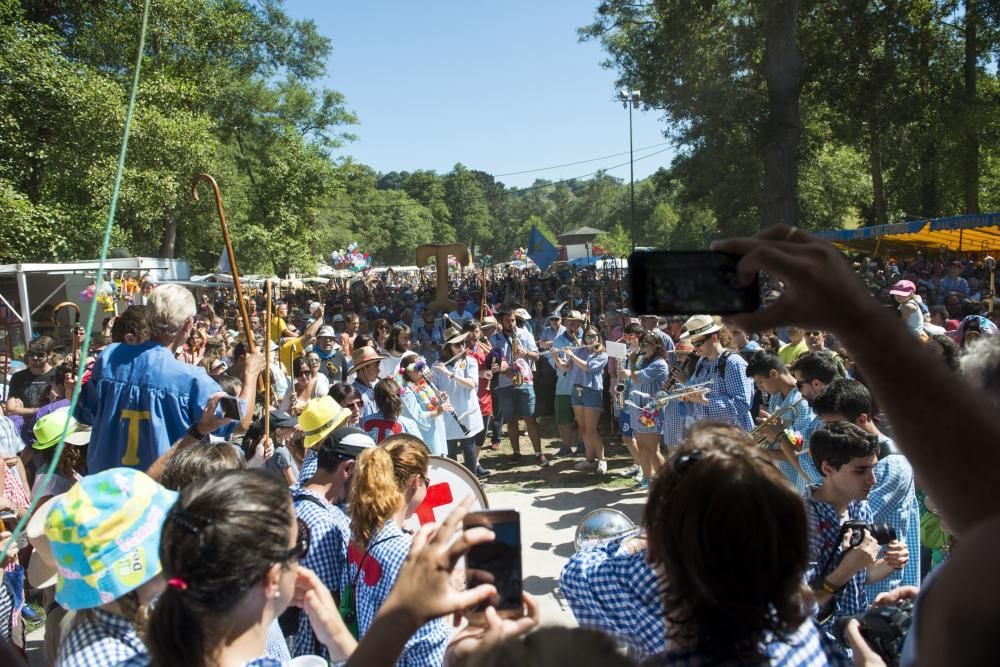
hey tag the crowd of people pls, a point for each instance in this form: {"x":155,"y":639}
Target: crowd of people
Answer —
{"x":233,"y":499}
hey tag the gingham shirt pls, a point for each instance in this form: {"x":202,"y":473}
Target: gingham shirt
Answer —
{"x":617,"y":593}
{"x":729,"y":397}
{"x":805,"y":458}
{"x":143,"y":660}
{"x":277,"y":647}
{"x":806,"y":647}
{"x":309,"y":465}
{"x":368,"y":396}
{"x":647,"y":378}
{"x":894,"y":501}
{"x":387,"y":551}
{"x":803,"y":424}
{"x":6,"y":609}
{"x":98,"y":638}
{"x":329,"y":535}
{"x":825,"y":553}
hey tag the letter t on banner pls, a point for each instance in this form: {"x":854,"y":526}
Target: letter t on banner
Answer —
{"x":441,"y":252}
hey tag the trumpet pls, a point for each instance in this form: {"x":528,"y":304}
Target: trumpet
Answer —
{"x":777,"y":419}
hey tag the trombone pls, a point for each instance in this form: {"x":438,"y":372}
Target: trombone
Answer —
{"x":777,"y":419}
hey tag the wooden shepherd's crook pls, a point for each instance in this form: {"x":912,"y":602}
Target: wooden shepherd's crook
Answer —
{"x":267,"y":364}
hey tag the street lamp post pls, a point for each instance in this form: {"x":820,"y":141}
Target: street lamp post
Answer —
{"x":629,"y":99}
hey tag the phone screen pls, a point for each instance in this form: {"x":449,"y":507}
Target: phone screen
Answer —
{"x":230,"y":407}
{"x":497,"y":562}
{"x":666,"y":282}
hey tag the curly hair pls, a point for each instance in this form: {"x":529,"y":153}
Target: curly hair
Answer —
{"x":378,"y":487}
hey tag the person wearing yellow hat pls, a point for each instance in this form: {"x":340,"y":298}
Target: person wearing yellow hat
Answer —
{"x":318,"y":420}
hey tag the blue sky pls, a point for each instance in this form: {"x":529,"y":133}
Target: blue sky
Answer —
{"x":500,"y":86}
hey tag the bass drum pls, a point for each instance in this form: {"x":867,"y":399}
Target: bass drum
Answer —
{"x":450,"y":483}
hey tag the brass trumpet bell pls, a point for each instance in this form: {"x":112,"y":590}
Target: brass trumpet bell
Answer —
{"x":601,"y":526}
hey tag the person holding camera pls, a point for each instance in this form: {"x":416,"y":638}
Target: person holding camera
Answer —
{"x":843,"y":543}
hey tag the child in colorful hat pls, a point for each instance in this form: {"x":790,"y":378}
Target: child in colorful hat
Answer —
{"x":105,"y":539}
{"x":73,"y":461}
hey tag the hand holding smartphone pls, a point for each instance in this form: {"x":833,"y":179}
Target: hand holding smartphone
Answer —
{"x":666,"y":282}
{"x":497,"y":563}
{"x":230,"y":406}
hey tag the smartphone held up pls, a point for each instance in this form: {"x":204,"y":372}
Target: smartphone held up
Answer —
{"x":667,"y":282}
{"x":497,"y":562}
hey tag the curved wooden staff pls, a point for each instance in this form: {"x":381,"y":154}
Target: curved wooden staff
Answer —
{"x":267,"y":363}
{"x":72,"y":327}
{"x":240,"y":298}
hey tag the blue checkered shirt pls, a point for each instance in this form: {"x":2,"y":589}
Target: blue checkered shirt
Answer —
{"x":805,"y":458}
{"x":806,"y":647}
{"x":389,"y":548}
{"x":309,"y":465}
{"x":617,"y":593}
{"x":368,"y":396}
{"x":6,"y":610}
{"x":729,"y":397}
{"x":277,"y":647}
{"x":143,"y":660}
{"x":802,"y":424}
{"x":894,"y":501}
{"x":648,"y":378}
{"x":329,"y":535}
{"x":99,"y":638}
{"x":825,"y":553}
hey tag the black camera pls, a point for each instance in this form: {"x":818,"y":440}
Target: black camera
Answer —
{"x":882,"y":532}
{"x":883,"y":628}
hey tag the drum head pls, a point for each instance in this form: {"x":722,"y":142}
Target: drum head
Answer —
{"x":450,"y":483}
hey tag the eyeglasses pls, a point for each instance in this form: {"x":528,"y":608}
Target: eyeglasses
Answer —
{"x":305,"y":373}
{"x":801,"y":383}
{"x":313,"y":362}
{"x":814,"y":333}
{"x":38,"y":355}
{"x":698,"y":343}
{"x":302,"y":542}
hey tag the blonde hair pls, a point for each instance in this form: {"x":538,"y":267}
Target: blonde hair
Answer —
{"x":168,"y":309}
{"x":378,"y":485}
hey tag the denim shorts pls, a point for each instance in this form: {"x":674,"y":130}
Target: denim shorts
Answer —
{"x":516,"y":402}
{"x":585,"y":397}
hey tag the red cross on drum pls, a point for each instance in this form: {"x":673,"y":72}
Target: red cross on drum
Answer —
{"x":450,"y":483}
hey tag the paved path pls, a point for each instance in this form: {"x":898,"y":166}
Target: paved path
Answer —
{"x":548,"y":524}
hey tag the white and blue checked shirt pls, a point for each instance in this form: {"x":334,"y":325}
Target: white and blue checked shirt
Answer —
{"x":802,"y":424}
{"x":387,"y":551}
{"x":329,"y":535}
{"x":825,"y":553}
{"x":806,"y":647}
{"x":729,"y":397}
{"x":368,"y":397}
{"x":99,"y":638}
{"x":805,"y":458}
{"x":310,"y":463}
{"x":617,"y":593}
{"x":893,"y":500}
{"x":143,"y":660}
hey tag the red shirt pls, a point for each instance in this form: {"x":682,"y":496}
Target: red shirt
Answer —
{"x":483,"y":393}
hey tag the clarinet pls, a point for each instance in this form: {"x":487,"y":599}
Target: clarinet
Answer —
{"x":426,"y":373}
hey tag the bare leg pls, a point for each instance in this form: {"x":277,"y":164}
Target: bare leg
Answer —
{"x":514,"y":433}
{"x":596,"y":446}
{"x":581,"y":422}
{"x":531,"y":426}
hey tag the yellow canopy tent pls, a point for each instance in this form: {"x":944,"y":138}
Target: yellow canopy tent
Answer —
{"x":960,"y":233}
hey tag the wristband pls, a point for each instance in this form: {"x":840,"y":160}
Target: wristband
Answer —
{"x":195,"y":434}
{"x":830,"y":588}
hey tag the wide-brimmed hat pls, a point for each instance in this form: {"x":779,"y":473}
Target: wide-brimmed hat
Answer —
{"x":42,"y":571}
{"x":49,"y":428}
{"x":699,"y":326}
{"x":488,"y":321}
{"x":575,"y":315}
{"x":454,"y":335}
{"x":364,"y":356}
{"x":319,"y":417}
{"x":903,"y":288}
{"x":105,"y":536}
{"x":522,"y":313}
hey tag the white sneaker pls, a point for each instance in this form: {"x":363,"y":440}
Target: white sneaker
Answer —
{"x":637,"y":477}
{"x":631,"y":471}
{"x":602,"y":467}
{"x":585,"y":465}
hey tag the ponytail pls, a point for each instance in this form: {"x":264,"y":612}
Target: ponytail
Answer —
{"x":387,"y":398}
{"x":378,"y":486}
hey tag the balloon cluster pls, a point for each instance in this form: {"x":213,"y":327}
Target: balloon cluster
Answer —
{"x":105,"y":294}
{"x":520,"y":254}
{"x":352,"y":260}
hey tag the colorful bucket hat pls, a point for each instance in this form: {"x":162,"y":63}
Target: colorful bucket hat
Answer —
{"x":319,"y":417}
{"x":105,"y":536}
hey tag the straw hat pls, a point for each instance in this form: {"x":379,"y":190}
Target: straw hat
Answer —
{"x":319,"y":417}
{"x":698,"y":326}
{"x":363,"y":356}
{"x":454,"y":335}
{"x":575,"y":315}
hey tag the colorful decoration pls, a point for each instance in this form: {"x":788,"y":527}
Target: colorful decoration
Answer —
{"x":647,"y":418}
{"x":352,"y":260}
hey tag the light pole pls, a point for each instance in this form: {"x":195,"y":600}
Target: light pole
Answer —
{"x":629,"y":99}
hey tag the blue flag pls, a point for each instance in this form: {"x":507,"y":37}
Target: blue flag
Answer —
{"x":540,"y":249}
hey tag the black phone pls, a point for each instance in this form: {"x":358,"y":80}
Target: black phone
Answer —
{"x":497,"y":562}
{"x":231,"y":407}
{"x":689,"y":282}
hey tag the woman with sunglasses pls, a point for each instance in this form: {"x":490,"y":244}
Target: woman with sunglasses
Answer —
{"x":586,"y":376}
{"x":651,"y":372}
{"x":304,"y":388}
{"x":388,"y":485}
{"x":423,"y":404}
{"x":380,"y":333}
{"x":347,"y":396}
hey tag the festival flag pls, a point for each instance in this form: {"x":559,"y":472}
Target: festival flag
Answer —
{"x":540,"y":249}
{"x":223,"y":265}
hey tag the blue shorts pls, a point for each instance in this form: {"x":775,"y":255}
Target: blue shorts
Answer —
{"x":516,"y":402}
{"x":585,"y":397}
{"x":625,"y":424}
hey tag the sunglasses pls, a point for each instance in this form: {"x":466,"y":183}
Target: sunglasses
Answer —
{"x":814,"y":333}
{"x":698,"y":343}
{"x":801,"y":383}
{"x":302,"y":542}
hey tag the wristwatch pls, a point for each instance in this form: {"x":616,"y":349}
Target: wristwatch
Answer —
{"x":195,"y":434}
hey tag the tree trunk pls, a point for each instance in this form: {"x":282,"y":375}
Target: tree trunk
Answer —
{"x":879,"y":216}
{"x":169,"y":243}
{"x":783,"y":72}
{"x":970,"y":148}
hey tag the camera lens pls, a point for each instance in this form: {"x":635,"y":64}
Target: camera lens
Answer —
{"x":882,"y":532}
